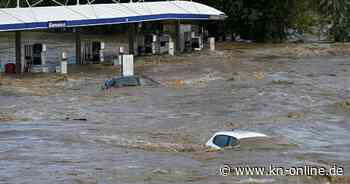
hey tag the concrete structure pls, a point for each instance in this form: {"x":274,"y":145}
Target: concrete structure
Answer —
{"x":56,"y":43}
{"x":151,"y":26}
{"x":127,"y":65}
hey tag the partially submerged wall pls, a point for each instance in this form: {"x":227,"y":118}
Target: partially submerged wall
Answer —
{"x":56,"y":43}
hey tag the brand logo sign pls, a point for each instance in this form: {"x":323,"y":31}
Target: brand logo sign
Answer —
{"x":57,"y":24}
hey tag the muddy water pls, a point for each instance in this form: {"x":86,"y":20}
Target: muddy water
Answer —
{"x":133,"y":135}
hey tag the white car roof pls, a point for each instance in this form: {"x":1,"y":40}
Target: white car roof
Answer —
{"x":240,"y":134}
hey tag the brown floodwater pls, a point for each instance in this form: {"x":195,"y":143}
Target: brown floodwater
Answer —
{"x":135,"y":135}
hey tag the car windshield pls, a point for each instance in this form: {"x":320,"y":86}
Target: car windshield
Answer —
{"x":224,"y":141}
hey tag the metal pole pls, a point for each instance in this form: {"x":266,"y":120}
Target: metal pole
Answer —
{"x":18,"y":3}
{"x":78,"y":46}
{"x":18,"y":52}
{"x":122,"y":65}
{"x":178,"y":36}
{"x":131,"y":33}
{"x":121,"y":57}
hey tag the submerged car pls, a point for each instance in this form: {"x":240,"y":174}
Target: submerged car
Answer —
{"x":224,"y":139}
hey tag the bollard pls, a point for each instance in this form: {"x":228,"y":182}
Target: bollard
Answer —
{"x":43,"y":54}
{"x":154,"y":44}
{"x":45,"y":68}
{"x":64,"y":63}
{"x":102,"y":58}
{"x":120,"y":59}
{"x":212,"y":43}
{"x":171,"y":48}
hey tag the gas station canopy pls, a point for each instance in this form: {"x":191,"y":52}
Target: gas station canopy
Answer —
{"x":15,"y":19}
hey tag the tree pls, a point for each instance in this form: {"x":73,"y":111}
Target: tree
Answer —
{"x":336,"y":13}
{"x":260,"y":20}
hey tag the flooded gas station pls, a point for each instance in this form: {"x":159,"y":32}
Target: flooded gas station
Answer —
{"x":67,"y":130}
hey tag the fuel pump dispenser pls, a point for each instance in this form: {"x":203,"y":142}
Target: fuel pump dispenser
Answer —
{"x":64,"y":63}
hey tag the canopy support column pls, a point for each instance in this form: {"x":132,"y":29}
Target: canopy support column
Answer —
{"x":78,"y":46}
{"x":131,"y":34}
{"x":178,"y":37}
{"x":18,"y":41}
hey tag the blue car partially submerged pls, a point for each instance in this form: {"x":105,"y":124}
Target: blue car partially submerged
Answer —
{"x":117,"y":82}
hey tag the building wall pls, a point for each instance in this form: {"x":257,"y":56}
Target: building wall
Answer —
{"x":7,"y":49}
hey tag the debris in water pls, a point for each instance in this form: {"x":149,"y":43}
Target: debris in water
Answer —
{"x":195,"y":82}
{"x":344,"y":105}
{"x":149,"y":81}
{"x":88,"y":180}
{"x":282,"y":82}
{"x":160,"y":171}
{"x":80,"y":119}
{"x":339,"y":179}
{"x":259,"y":75}
{"x":61,"y":78}
{"x":179,"y":83}
{"x":295,"y":115}
{"x":5,"y":117}
{"x":76,"y":119}
{"x":234,"y":77}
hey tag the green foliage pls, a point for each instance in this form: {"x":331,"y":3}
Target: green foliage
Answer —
{"x":304,"y":18}
{"x":260,"y":20}
{"x":267,"y":20}
{"x":336,"y":13}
